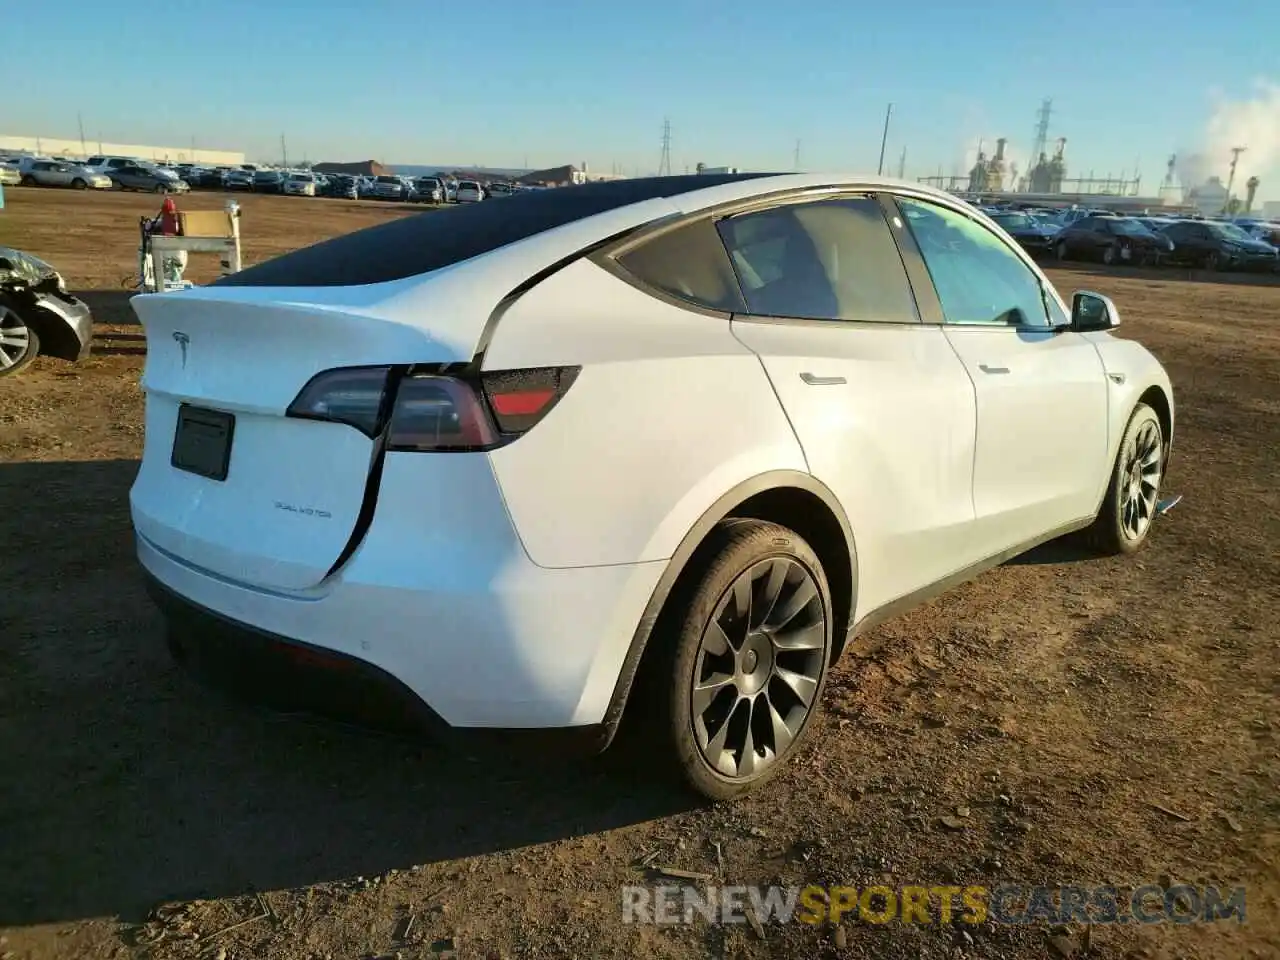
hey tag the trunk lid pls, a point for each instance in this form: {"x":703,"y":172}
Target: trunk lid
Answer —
{"x":292,"y":491}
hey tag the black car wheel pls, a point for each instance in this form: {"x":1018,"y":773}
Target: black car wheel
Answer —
{"x":1212,"y":261}
{"x":1061,"y":250}
{"x":19,"y":344}
{"x":79,"y":184}
{"x":28,"y":180}
{"x":159,"y":188}
{"x":740,"y":676}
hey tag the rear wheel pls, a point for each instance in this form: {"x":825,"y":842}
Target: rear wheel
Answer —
{"x":28,"y":180}
{"x":1129,"y":505}
{"x":1061,"y":250}
{"x":742,"y":677}
{"x":19,"y":344}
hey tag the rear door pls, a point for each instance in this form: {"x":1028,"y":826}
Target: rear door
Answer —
{"x":879,"y":402}
{"x":1041,"y":389}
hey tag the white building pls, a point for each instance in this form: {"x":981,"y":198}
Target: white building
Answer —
{"x":1271,"y":209}
{"x":77,"y":150}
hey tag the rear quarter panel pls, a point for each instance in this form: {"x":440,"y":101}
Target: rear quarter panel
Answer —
{"x":669,"y":412}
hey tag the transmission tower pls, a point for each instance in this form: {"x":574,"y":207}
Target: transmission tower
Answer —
{"x":1040,"y":142}
{"x":664,"y":165}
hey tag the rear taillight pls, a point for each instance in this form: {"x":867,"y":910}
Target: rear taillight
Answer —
{"x":352,"y":395}
{"x":434,"y":412}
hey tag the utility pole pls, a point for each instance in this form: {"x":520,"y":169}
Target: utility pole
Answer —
{"x":80,"y":121}
{"x":885,"y":138}
{"x":284,"y":153}
{"x":902,"y":165}
{"x":1231,"y":177}
{"x":796,"y":166}
{"x":664,"y":164}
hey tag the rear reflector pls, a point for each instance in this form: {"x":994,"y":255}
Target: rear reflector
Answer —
{"x":433,"y":412}
{"x":520,"y":398}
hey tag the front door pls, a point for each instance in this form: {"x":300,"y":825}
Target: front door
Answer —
{"x":880,"y":403}
{"x":1041,"y":389}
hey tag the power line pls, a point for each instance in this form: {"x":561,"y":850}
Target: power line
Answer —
{"x":664,"y":165}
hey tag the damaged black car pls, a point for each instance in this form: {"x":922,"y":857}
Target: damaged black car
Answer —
{"x":37,"y":314}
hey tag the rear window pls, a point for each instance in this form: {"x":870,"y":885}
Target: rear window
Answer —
{"x":414,"y":245}
{"x":689,"y":262}
{"x":388,"y":179}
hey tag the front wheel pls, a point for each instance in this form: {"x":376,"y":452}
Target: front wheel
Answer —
{"x":1129,"y":505}
{"x":743,"y":673}
{"x":18,"y":342}
{"x":1061,"y":250}
{"x":28,"y":180}
{"x":79,"y":184}
{"x":159,"y":188}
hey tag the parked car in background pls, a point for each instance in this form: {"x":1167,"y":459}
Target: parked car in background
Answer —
{"x":54,"y":173}
{"x":237,"y":179}
{"x":1033,"y":235}
{"x":9,"y":176}
{"x":146,"y":178}
{"x":482,"y":512}
{"x":1263,"y":230}
{"x":343,"y":187}
{"x":496,"y":190}
{"x":469,"y":191}
{"x":428,"y":190}
{"x":1215,"y":245}
{"x":1113,"y":240}
{"x":37,"y":314}
{"x":268,"y":181}
{"x":389,"y":187}
{"x":301,"y":184}
{"x":450,"y":190}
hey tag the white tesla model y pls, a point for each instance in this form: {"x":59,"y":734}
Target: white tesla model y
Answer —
{"x":500,"y":470}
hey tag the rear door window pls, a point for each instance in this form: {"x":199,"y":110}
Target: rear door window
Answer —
{"x":823,"y":260}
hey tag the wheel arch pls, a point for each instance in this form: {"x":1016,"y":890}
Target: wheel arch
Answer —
{"x":787,"y":497}
{"x":1155,"y":398}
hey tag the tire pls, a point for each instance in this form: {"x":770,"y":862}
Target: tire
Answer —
{"x":1061,"y":250}
{"x":1212,"y":261}
{"x":1111,"y":256}
{"x":159,"y":188}
{"x":28,"y":180}
{"x":17,"y":349}
{"x":708,"y":640}
{"x":79,"y":184}
{"x":1118,"y":529}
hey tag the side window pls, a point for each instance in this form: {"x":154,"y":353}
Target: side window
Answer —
{"x":689,"y":263}
{"x":93,"y":162}
{"x":978,"y":278}
{"x":825,"y":260}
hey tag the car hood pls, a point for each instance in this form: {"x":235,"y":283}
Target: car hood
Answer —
{"x":1256,"y":246}
{"x":24,"y":268}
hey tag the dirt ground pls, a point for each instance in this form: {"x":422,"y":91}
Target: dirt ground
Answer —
{"x":1104,"y":721}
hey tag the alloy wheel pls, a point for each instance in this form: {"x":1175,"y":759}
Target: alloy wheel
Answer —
{"x":15,"y":340}
{"x":1140,"y":481}
{"x":758,"y":668}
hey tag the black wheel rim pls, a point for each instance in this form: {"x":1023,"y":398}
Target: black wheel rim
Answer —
{"x":755,"y":681}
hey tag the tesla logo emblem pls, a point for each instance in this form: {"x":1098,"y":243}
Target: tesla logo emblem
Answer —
{"x":183,"y":341}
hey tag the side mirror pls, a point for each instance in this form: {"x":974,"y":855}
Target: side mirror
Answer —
{"x":1091,"y":312}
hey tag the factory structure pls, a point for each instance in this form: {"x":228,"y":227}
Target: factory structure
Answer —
{"x":1046,"y":181}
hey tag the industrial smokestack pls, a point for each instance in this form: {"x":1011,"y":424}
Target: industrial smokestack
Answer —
{"x":1000,"y":148}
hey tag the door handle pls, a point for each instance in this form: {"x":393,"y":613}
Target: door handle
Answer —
{"x":813,"y":380}
{"x":986,"y":369}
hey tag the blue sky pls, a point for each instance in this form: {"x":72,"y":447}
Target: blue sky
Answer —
{"x":570,"y":81}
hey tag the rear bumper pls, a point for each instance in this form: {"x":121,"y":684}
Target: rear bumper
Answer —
{"x":447,"y":603}
{"x":286,"y":674}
